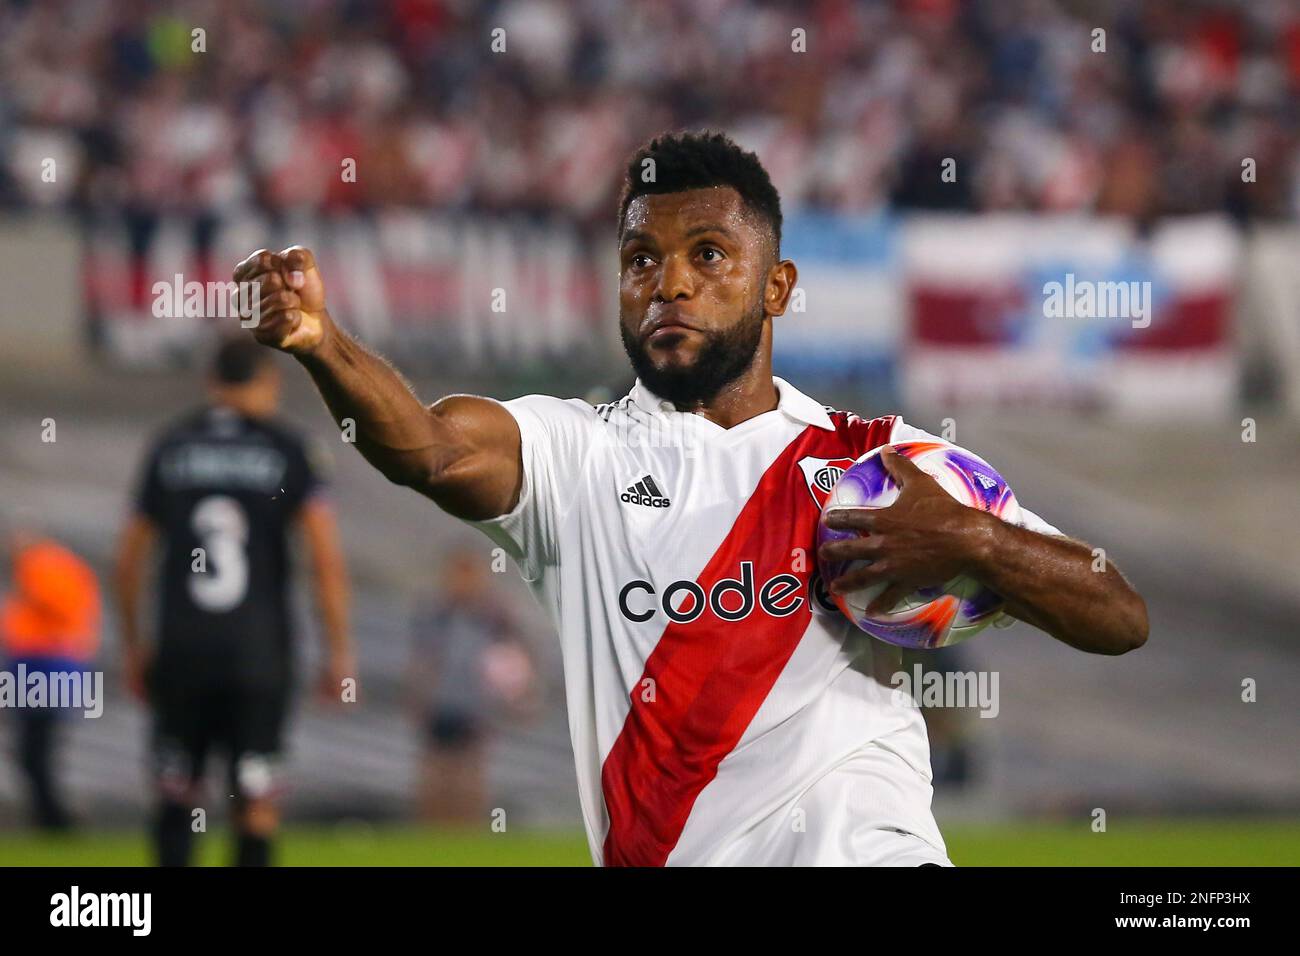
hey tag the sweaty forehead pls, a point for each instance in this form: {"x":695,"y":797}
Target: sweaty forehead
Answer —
{"x":665,"y":215}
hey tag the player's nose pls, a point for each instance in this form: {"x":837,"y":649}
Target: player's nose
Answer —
{"x":675,"y":281}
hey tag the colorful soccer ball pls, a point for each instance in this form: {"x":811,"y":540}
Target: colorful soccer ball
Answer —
{"x":930,"y":617}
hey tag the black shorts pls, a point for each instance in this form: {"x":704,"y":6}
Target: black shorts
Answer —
{"x":452,"y":730}
{"x":244,"y":724}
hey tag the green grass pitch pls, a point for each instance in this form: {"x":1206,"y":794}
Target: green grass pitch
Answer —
{"x":1134,"y":843}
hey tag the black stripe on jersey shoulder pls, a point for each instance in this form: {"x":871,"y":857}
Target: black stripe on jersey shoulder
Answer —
{"x":606,"y":409}
{"x":832,"y":410}
{"x":852,"y":418}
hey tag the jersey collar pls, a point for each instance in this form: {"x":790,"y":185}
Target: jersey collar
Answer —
{"x":789,"y":400}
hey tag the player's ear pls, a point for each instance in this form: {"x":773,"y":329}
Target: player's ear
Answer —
{"x":781,"y":279}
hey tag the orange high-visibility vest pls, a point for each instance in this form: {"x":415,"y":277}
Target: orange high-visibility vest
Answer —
{"x":54,"y":608}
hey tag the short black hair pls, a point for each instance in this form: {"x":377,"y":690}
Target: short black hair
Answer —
{"x":685,"y":161}
{"x":238,"y":359}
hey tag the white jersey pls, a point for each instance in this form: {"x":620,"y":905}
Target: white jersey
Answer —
{"x":722,"y":710}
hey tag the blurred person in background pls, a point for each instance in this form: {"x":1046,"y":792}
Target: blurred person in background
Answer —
{"x":469,"y":662}
{"x":954,"y":760}
{"x":49,"y":624}
{"x":222,"y":491}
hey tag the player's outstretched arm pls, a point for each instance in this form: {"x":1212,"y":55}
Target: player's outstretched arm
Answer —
{"x":333,"y":595}
{"x":463,"y":451}
{"x":927,"y":537}
{"x":130,"y":566}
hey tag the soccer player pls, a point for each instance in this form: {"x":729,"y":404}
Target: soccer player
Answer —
{"x":222,"y":491}
{"x":469,"y":663}
{"x":721,"y":711}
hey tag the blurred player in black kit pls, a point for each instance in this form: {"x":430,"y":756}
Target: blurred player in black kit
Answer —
{"x":221,"y":492}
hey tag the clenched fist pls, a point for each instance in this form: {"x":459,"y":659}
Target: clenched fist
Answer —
{"x":291,"y":301}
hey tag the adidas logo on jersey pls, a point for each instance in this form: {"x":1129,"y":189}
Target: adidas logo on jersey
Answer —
{"x":645,"y":492}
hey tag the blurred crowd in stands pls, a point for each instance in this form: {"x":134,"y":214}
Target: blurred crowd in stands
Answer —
{"x":1018,"y":92}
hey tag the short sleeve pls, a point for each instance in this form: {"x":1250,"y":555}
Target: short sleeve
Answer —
{"x":1032,"y":522}
{"x":554,"y":436}
{"x":317,"y":467}
{"x":1028,"y":519}
{"x":308,"y":473}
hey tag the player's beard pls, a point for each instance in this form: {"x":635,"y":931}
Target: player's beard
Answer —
{"x":724,"y":357}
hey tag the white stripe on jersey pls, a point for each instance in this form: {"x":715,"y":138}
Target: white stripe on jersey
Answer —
{"x":772,"y":738}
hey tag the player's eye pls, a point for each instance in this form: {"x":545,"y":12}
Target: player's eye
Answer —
{"x":639,"y":261}
{"x":711,"y":254}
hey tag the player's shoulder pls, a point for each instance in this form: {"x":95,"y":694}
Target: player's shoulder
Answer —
{"x":866,"y":433}
{"x":303,"y":449}
{"x":280,"y":432}
{"x":560,"y":428}
{"x":903,"y":431}
{"x":554,"y":405}
{"x":555,"y":414}
{"x":187,"y":426}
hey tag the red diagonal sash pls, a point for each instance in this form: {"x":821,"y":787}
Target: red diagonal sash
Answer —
{"x":710,"y":676}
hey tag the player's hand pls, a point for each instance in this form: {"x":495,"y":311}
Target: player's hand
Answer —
{"x":924,"y":539}
{"x":338,"y":667}
{"x":292,"y":314}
